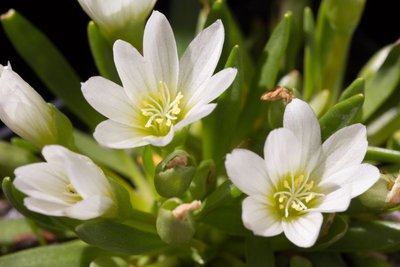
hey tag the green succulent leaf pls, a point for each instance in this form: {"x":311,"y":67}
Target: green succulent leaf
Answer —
{"x":259,"y":252}
{"x":119,"y":237}
{"x":382,"y":84}
{"x":74,"y":253}
{"x":102,"y":53}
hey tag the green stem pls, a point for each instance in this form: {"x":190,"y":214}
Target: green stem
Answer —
{"x":382,"y":154}
{"x":36,"y":231}
{"x":139,"y":180}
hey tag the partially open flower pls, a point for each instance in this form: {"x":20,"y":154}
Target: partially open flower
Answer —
{"x":24,"y":111}
{"x":160,"y":94}
{"x":118,"y":17}
{"x":299,"y":178}
{"x":68,"y":184}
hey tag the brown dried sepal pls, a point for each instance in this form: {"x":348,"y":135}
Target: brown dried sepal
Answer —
{"x":278,"y":93}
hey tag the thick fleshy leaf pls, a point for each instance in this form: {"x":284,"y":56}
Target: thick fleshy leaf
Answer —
{"x":364,"y":236}
{"x":343,"y":149}
{"x":200,"y":58}
{"x":303,"y":123}
{"x":340,"y":115}
{"x":259,"y":252}
{"x":134,"y":71}
{"x":119,"y":237}
{"x":387,"y":78}
{"x":109,"y":99}
{"x":12,"y":157}
{"x":260,"y":218}
{"x":248,"y":172}
{"x":359,"y":177}
{"x":102,"y":53}
{"x":266,"y":76}
{"x":282,"y":153}
{"x":160,"y":49}
{"x":74,"y":253}
{"x":116,"y":135}
{"x":303,"y":231}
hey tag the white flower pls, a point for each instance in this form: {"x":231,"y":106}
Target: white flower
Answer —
{"x":160,"y":94}
{"x":68,"y":184}
{"x":113,"y":15}
{"x":23,"y":110}
{"x":299,"y":178}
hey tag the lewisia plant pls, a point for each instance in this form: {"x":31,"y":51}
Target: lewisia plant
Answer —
{"x":300,"y":178}
{"x":160,"y":94}
{"x":23,"y":110}
{"x":68,"y":184}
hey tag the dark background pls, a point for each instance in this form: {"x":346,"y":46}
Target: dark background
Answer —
{"x":64,"y":22}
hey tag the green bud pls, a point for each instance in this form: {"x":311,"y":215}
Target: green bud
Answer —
{"x":174,"y":174}
{"x":384,"y":194}
{"x":204,"y":179}
{"x":174,"y":223}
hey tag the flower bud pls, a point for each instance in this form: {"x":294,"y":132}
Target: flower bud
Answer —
{"x":24,"y":111}
{"x":174,"y":174}
{"x":119,"y":19}
{"x":384,"y":194}
{"x":174,"y":223}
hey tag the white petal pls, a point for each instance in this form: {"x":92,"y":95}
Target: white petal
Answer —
{"x":260,"y":218}
{"x":247,"y":171}
{"x":11,"y":82}
{"x":160,"y":140}
{"x":304,"y":230}
{"x":23,"y":110}
{"x":89,"y":208}
{"x":216,"y":85}
{"x":42,"y":181}
{"x":87,"y":178}
{"x":109,"y":99}
{"x":159,"y":49}
{"x":301,"y":120}
{"x":345,"y":148}
{"x":282,"y":153}
{"x":116,"y":135}
{"x":195,"y":114}
{"x":136,"y":74}
{"x":200,"y":58}
{"x":336,"y":201}
{"x":360,"y":177}
{"x":45,"y":207}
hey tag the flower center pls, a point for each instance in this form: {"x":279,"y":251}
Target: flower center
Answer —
{"x":163,"y":111}
{"x":71,"y":192}
{"x":296,"y":195}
